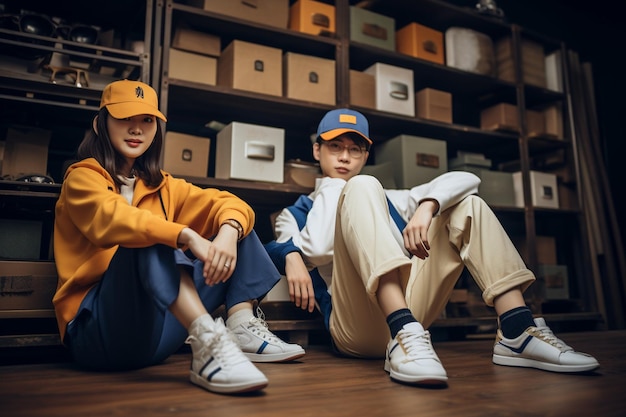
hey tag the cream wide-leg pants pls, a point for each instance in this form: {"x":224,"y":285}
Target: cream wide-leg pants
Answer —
{"x":467,"y":234}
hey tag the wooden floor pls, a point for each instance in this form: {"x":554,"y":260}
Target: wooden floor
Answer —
{"x":324,"y":385}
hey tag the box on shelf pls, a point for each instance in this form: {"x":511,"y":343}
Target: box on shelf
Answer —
{"x":267,"y":12}
{"x":250,"y":152}
{"x":20,"y":239}
{"x":535,"y":123}
{"x":533,"y":61}
{"x":502,"y":116}
{"x":190,"y":66}
{"x":394,"y":88}
{"x":27,"y":285}
{"x":543,"y":189}
{"x":384,"y":172}
{"x":469,"y":50}
{"x":555,"y":280}
{"x":301,"y":173}
{"x":372,"y":28}
{"x":195,"y":41}
{"x":553,"y":118}
{"x":464,"y":159}
{"x":545,"y":248}
{"x":496,"y":187}
{"x":25,"y":151}
{"x":313,"y":17}
{"x":362,"y":89}
{"x":434,"y":104}
{"x":554,"y":71}
{"x":415,"y":159}
{"x":186,"y":154}
{"x":252,"y":67}
{"x":421,"y":42}
{"x":309,"y":78}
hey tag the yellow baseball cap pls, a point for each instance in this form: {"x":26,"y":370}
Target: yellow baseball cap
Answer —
{"x":127,"y":98}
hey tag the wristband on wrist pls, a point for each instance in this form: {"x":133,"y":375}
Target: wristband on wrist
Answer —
{"x":236,"y":225}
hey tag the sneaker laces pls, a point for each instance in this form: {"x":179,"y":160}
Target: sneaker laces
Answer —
{"x":221,"y":343}
{"x":417,"y":345}
{"x":259,"y":327}
{"x":545,"y":333}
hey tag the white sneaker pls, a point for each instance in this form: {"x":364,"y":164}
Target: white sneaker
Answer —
{"x":218,"y":364}
{"x":539,"y":348}
{"x":411,"y":359}
{"x":259,"y":344}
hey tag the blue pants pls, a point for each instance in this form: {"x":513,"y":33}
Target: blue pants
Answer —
{"x":124,"y":321}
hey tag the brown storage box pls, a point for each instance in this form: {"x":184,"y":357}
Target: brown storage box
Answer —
{"x":434,"y":105}
{"x":27,"y":285}
{"x":252,"y":67}
{"x":195,"y":41}
{"x":421,"y":42}
{"x":268,"y":12}
{"x":186,"y":154}
{"x":544,"y":245}
{"x":502,"y":116}
{"x":312,"y":17}
{"x":535,"y":123}
{"x":192,"y":67}
{"x":362,"y":89}
{"x":553,"y":117}
{"x":533,"y":61}
{"x":25,"y":151}
{"x":309,"y":78}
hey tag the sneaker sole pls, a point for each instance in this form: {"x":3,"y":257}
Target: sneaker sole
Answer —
{"x":274,"y":357}
{"x":247,"y":386}
{"x":431,"y":380}
{"x":545,"y":366}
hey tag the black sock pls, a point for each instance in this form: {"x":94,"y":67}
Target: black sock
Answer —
{"x":515,"y":321}
{"x":399,"y":318}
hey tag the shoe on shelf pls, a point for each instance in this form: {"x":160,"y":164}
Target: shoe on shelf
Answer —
{"x":218,"y":364}
{"x":539,"y":348}
{"x":259,"y":344}
{"x":411,"y":359}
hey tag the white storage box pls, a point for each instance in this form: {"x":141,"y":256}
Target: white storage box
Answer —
{"x":415,"y":160}
{"x":496,"y":187}
{"x":394,"y":88}
{"x":250,"y":152}
{"x":469,"y":50}
{"x":542,"y":187}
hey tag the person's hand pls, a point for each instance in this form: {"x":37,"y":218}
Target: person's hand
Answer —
{"x":219,"y":255}
{"x":416,"y":231}
{"x":300,"y":284}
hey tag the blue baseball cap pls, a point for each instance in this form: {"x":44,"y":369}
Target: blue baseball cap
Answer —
{"x":339,"y":121}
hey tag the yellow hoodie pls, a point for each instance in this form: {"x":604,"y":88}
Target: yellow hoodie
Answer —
{"x":92,"y":219}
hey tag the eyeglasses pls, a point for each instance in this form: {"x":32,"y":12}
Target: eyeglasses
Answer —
{"x":336,"y":148}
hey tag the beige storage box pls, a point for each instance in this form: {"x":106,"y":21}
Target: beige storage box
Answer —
{"x":267,"y":12}
{"x":248,"y":66}
{"x":362,"y":89}
{"x":27,"y":285}
{"x":190,"y":66}
{"x":421,"y":42}
{"x":394,"y":89}
{"x":554,"y":71}
{"x":533,"y":61}
{"x":543,"y":189}
{"x":372,"y":28}
{"x":186,"y":155}
{"x":416,"y":160}
{"x":553,"y":118}
{"x":302,"y":173}
{"x":469,"y":50}
{"x":309,"y":78}
{"x":196,"y":41}
{"x":496,"y":187}
{"x":535,"y":123}
{"x":434,"y":104}
{"x":502,"y":116}
{"x":313,"y":17}
{"x":250,"y":152}
{"x":25,"y":151}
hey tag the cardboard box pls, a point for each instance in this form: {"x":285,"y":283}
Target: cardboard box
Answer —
{"x":421,"y":42}
{"x":372,"y":28}
{"x":553,"y":118}
{"x":502,"y":116}
{"x":27,"y":285}
{"x":394,"y":88}
{"x":543,"y":189}
{"x":25,"y":151}
{"x":555,"y":280}
{"x":532,"y":61}
{"x":250,"y":152}
{"x":192,"y":67}
{"x":415,"y":159}
{"x":535,"y":123}
{"x":469,"y":50}
{"x":434,"y":104}
{"x":267,"y":12}
{"x":248,"y":66}
{"x":362,"y":89}
{"x":186,"y":154}
{"x":313,"y":17}
{"x":196,"y":41}
{"x":309,"y":78}
{"x":545,"y":248}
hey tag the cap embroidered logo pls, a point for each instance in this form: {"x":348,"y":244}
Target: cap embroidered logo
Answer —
{"x":139,"y":92}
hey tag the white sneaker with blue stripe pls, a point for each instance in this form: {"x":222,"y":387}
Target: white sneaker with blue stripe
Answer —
{"x":259,"y":344}
{"x":539,"y":348}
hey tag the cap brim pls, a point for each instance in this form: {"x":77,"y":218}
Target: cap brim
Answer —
{"x":332,"y":134}
{"x":124,"y":110}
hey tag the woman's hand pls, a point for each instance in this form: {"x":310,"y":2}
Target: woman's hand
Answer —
{"x":300,"y":284}
{"x":416,"y":231}
{"x":219,"y":255}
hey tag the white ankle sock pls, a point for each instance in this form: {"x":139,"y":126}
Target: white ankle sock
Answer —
{"x":241,"y":316}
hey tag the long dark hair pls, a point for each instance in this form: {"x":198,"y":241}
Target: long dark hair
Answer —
{"x":98,"y":146}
